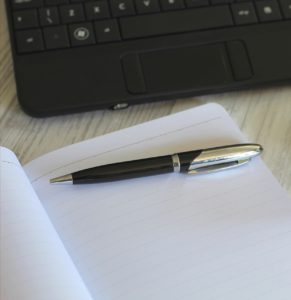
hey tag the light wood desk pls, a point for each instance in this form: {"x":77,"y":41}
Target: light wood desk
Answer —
{"x":264,"y":116}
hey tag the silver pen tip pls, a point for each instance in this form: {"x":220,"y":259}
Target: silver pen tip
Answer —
{"x":261,"y":149}
{"x":256,"y":149}
{"x":62,"y":179}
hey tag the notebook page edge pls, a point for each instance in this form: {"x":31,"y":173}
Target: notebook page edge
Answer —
{"x":28,"y":239}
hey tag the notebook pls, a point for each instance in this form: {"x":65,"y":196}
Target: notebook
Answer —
{"x":223,"y":236}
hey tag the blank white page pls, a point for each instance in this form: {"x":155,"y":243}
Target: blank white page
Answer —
{"x":171,"y":237}
{"x":34,"y":264}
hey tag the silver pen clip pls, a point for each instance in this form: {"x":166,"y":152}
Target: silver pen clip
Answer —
{"x":221,"y":158}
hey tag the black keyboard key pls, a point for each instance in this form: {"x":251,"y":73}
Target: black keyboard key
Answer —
{"x":72,"y":13}
{"x":286,"y":8}
{"x":268,"y":10}
{"x":82,"y":34}
{"x":56,"y":37}
{"x":122,"y":8}
{"x":172,"y":4}
{"x":147,"y":6}
{"x":97,"y":10}
{"x":56,"y":2}
{"x":107,"y":31}
{"x":174,"y":22}
{"x":244,"y":13}
{"x":197,"y":3}
{"x":25,"y":19}
{"x":23,"y":4}
{"x":218,"y":2}
{"x":49,"y":16}
{"x":29,"y":41}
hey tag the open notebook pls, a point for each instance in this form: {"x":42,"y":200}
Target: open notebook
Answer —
{"x":219,"y":236}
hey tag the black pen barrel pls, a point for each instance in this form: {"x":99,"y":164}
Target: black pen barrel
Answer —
{"x":125,"y":170}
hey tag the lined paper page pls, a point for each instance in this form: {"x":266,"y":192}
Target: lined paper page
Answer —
{"x":33,"y":262}
{"x":218,"y":236}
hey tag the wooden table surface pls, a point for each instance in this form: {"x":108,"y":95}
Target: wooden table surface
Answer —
{"x":264,"y":116}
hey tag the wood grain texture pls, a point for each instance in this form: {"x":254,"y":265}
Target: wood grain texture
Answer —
{"x":264,"y":116}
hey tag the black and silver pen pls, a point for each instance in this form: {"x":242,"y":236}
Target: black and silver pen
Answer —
{"x":190,"y":162}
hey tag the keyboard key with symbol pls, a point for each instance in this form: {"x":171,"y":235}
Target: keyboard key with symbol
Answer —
{"x":25,"y":19}
{"x":107,"y":31}
{"x":268,"y":10}
{"x":97,"y":10}
{"x":49,"y":16}
{"x":29,"y":41}
{"x":72,"y":13}
{"x":172,"y":4}
{"x":286,"y":8}
{"x":244,"y":13}
{"x":23,"y":4}
{"x":56,"y":37}
{"x":122,"y":8}
{"x":147,"y":6}
{"x":82,"y":34}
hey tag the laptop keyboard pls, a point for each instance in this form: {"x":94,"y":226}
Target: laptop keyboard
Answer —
{"x":45,"y":25}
